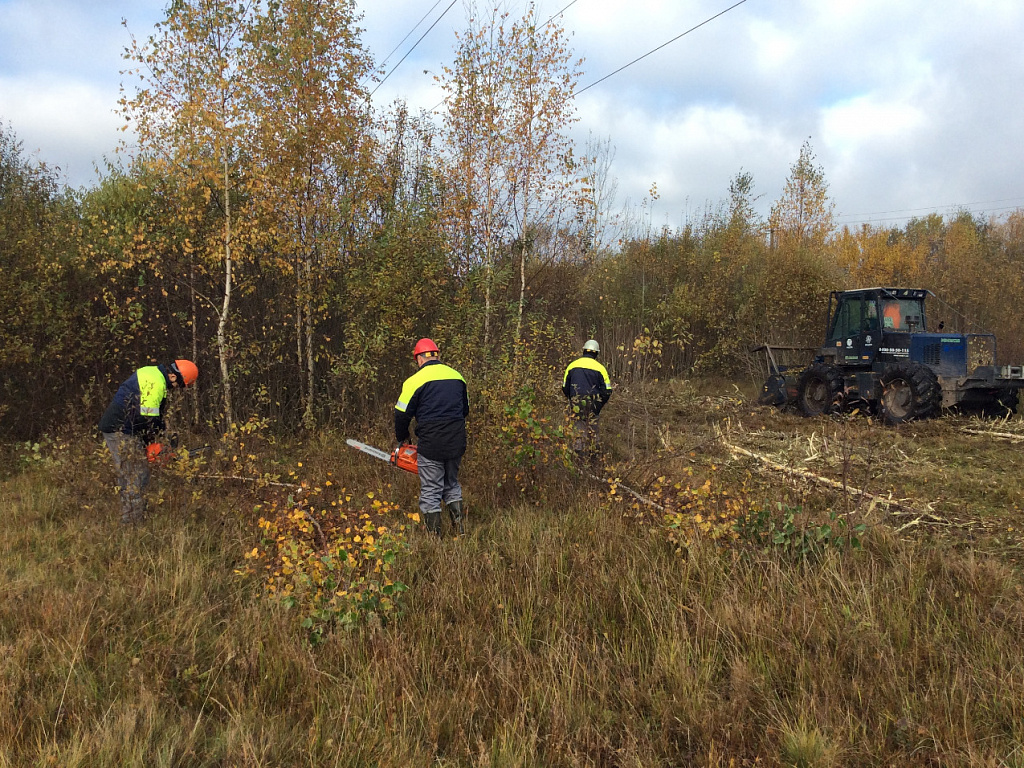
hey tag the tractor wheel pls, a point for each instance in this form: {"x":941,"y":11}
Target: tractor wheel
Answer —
{"x":909,"y":391}
{"x":819,"y":389}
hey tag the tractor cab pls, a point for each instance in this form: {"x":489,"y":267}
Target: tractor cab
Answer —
{"x":865,"y":323}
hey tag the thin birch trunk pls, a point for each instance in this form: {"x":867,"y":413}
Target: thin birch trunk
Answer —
{"x":195,"y":333}
{"x":226,"y":306}
{"x":308,"y":417}
{"x":522,"y":295}
{"x":299,"y":356}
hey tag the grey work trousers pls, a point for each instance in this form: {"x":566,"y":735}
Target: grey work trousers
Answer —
{"x":439,"y":481}
{"x":132,"y":469}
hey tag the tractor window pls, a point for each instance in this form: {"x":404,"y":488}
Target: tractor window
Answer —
{"x":871,"y":316}
{"x":849,"y":319}
{"x":902,"y":315}
{"x":892,"y":318}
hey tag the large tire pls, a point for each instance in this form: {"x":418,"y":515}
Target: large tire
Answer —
{"x":819,"y":389}
{"x":909,"y":391}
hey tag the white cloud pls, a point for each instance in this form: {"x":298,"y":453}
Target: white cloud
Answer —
{"x":854,"y":124}
{"x":906,"y":104}
{"x":68,"y":123}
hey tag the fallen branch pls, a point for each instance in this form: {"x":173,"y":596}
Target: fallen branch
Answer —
{"x":249,"y":480}
{"x":627,"y":489}
{"x":803,"y":474}
{"x":1002,"y":435}
{"x":319,"y":530}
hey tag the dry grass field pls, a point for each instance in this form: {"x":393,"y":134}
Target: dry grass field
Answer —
{"x":574,"y":626}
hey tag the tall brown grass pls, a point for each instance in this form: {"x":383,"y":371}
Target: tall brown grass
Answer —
{"x":555,"y":634}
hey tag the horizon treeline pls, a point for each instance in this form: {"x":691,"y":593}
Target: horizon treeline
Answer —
{"x":294,"y":243}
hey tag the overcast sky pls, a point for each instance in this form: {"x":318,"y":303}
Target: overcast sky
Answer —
{"x":911,"y":106}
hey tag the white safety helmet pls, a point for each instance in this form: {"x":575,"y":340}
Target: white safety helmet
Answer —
{"x":592,"y":346}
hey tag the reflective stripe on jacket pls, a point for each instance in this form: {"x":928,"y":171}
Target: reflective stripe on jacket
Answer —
{"x":586,"y":380}
{"x":137,"y":407}
{"x":437,"y":397}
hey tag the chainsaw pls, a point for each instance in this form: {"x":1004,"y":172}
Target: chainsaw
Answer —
{"x":403,"y":457}
{"x":158,"y":453}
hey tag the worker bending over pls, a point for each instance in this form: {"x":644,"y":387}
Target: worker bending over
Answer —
{"x":133,"y":419}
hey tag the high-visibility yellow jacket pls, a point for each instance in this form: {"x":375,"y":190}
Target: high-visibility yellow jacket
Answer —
{"x":437,"y":397}
{"x":137,"y":407}
{"x":586,"y":383}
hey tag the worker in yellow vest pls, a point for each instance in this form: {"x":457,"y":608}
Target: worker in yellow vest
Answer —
{"x":133,"y":420}
{"x":436,"y":396}
{"x":587,"y":388}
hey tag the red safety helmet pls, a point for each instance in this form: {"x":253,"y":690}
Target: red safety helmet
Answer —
{"x":188,"y":371}
{"x":425,"y":346}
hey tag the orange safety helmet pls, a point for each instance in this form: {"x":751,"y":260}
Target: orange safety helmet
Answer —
{"x":425,"y":347}
{"x":187,"y":370}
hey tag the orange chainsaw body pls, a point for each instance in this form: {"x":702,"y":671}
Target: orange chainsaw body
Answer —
{"x":156,"y":453}
{"x":404,"y":457}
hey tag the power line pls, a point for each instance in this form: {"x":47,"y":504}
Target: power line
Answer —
{"x":570,"y":5}
{"x":639,"y":58}
{"x":684,"y":34}
{"x":552,"y":18}
{"x":389,"y":74}
{"x":907,"y":218}
{"x":409,"y":33}
{"x":930,"y":208}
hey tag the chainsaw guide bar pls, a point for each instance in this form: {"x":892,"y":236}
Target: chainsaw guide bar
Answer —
{"x":404,"y":456}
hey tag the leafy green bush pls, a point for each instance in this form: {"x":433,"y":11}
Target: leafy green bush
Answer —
{"x":779,"y":529}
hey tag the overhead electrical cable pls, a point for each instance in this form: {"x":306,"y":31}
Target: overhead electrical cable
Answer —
{"x":409,"y":33}
{"x":655,"y":50}
{"x":558,"y":14}
{"x":389,"y":74}
{"x":639,"y":58}
{"x":928,"y":208}
{"x":553,"y":17}
{"x":908,"y":218}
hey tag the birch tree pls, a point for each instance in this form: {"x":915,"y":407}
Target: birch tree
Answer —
{"x":310,"y":149}
{"x":539,"y":152}
{"x":476,"y":130}
{"x":804,"y":213}
{"x":189,"y":113}
{"x":509,"y":106}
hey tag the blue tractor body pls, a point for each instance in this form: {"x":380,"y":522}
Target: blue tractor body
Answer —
{"x":879,"y":352}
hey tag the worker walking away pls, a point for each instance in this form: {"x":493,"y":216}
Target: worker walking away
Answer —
{"x":437,"y":397}
{"x":587,"y":388}
{"x":133,"y":420}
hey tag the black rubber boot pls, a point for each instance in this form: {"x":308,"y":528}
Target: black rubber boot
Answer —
{"x":458,"y":523}
{"x":433,"y":522}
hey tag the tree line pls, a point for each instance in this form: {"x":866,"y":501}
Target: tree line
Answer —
{"x":293,"y":241}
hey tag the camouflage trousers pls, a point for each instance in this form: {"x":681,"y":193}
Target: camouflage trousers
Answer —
{"x":132,"y":468}
{"x":586,"y":436}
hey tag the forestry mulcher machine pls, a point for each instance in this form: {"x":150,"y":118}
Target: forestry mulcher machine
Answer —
{"x":879,"y":354}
